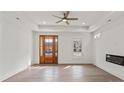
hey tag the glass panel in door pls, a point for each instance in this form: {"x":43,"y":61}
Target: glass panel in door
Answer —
{"x":48,"y":46}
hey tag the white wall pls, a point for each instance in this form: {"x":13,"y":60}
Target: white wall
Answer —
{"x":15,"y":45}
{"x":65,"y":47}
{"x":111,"y":41}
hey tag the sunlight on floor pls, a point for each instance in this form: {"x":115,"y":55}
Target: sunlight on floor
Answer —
{"x":66,"y":67}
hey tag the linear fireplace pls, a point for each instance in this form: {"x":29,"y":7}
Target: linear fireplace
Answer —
{"x":115,"y":59}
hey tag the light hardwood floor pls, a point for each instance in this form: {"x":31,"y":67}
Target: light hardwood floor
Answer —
{"x":63,"y":73}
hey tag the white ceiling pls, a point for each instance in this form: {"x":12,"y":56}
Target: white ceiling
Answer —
{"x":92,"y":19}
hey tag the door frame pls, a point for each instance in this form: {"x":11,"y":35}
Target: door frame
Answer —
{"x":43,"y":48}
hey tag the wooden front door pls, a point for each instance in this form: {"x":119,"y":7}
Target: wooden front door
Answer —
{"x":48,"y":49}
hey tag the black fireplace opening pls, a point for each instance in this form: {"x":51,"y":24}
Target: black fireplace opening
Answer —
{"x":116,"y":59}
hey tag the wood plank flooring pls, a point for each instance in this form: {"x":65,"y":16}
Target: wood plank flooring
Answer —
{"x":63,"y":73}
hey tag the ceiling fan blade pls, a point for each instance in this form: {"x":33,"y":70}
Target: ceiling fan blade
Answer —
{"x":72,"y":18}
{"x":57,"y":16}
{"x":64,"y":15}
{"x":67,"y":22}
{"x":59,"y":21}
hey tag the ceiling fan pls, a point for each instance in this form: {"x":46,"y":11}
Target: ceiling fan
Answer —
{"x":65,"y":18}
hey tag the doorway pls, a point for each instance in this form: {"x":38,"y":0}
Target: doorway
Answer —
{"x":48,"y":51}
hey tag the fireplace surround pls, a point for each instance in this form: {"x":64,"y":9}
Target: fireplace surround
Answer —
{"x":116,"y":59}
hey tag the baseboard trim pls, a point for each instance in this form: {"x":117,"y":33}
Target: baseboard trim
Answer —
{"x":8,"y":75}
{"x":64,"y":64}
{"x":116,"y":75}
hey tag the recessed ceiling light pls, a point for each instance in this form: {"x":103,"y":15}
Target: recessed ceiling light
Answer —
{"x":44,"y":22}
{"x":109,"y":20}
{"x":17,"y":18}
{"x":83,"y":23}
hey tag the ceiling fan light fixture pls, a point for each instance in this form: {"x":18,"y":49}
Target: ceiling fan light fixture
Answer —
{"x":64,"y":20}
